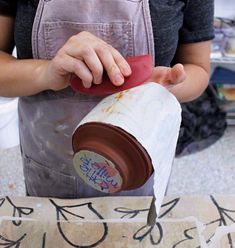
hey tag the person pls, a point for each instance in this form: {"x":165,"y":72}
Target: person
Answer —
{"x":56,"y":39}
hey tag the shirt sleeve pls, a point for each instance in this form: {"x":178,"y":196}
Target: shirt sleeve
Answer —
{"x":8,"y":7}
{"x":198,"y":21}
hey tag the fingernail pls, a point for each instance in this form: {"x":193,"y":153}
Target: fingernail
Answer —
{"x":119,"y":79}
{"x":98,"y":81}
{"x":127,"y":70}
{"x":87,"y":85}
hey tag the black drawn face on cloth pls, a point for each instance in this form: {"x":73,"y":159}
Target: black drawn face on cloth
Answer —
{"x":2,"y":201}
{"x":17,"y":212}
{"x":7,"y":243}
{"x":154,"y":233}
{"x":77,"y":213}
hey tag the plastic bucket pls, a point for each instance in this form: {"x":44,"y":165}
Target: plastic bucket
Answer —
{"x":9,"y":129}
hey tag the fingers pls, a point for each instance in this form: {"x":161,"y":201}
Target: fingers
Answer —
{"x":168,"y":76}
{"x":124,"y":67}
{"x":72,"y":65}
{"x":110,"y":66}
{"x":81,"y":70}
{"x":97,"y":56}
{"x":94,"y":65}
{"x":177,"y":74}
{"x":161,"y":75}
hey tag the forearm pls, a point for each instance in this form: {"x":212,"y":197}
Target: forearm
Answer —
{"x":193,"y":86}
{"x":20,"y":77}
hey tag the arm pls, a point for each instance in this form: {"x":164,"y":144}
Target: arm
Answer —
{"x":196,"y":60}
{"x":17,"y":78}
{"x":83,"y":54}
{"x":188,"y":79}
{"x":194,"y":49}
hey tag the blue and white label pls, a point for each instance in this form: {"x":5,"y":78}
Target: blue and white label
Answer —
{"x":97,"y":171}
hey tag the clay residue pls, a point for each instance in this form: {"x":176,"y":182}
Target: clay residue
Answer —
{"x":117,"y":97}
{"x":109,"y":109}
{"x":120,"y":95}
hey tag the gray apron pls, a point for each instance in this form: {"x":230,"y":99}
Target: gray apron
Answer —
{"x":48,"y":119}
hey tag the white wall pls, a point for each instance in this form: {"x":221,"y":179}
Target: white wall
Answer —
{"x":225,"y":8}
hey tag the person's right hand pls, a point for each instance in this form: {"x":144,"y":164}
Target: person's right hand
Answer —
{"x":86,"y":56}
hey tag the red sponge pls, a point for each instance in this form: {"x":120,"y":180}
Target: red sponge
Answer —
{"x":141,"y":66}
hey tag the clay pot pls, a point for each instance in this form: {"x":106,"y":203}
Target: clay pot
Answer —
{"x":109,"y":159}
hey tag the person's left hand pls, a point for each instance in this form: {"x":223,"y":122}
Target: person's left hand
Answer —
{"x":168,"y":76}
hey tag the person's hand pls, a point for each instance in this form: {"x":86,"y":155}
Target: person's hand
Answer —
{"x":86,"y":56}
{"x":168,"y":76}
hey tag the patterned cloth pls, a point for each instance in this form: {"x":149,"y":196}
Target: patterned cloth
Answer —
{"x":203,"y":123}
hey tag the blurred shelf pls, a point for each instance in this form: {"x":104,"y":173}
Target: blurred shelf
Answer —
{"x":223,"y":60}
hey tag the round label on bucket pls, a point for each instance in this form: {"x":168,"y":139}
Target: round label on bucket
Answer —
{"x":97,"y":171}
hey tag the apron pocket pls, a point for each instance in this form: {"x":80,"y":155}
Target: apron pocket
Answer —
{"x":117,"y":34}
{"x":43,"y":182}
